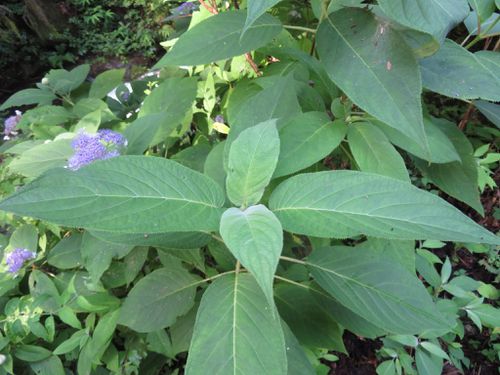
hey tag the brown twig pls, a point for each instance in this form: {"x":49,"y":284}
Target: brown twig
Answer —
{"x":466,"y":117}
{"x":252,"y":63}
{"x":208,"y":7}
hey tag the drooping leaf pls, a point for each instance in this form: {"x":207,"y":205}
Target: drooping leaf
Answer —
{"x":436,"y":17}
{"x":226,"y":29}
{"x":441,"y":148}
{"x":252,"y":159}
{"x":458,"y":179}
{"x":490,"y":110}
{"x":41,"y":158}
{"x":105,"y":82}
{"x":313,"y":326}
{"x":141,"y":132}
{"x":97,"y":254}
{"x":159,"y":298}
{"x":28,"y":96}
{"x":380,"y":291}
{"x":374,"y":153}
{"x":348,"y":203}
{"x":306,"y":139}
{"x":63,"y":81}
{"x":455,"y":72}
{"x":255,"y":237}
{"x":127,"y":194}
{"x":353,"y":43}
{"x":255,"y":9}
{"x":428,"y":363}
{"x":236,"y":331}
{"x":67,"y":253}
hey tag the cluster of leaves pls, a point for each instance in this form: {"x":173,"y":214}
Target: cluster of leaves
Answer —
{"x":266,"y":200}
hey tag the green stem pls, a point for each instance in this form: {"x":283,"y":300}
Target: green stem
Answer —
{"x":293,"y":260}
{"x":300,"y":28}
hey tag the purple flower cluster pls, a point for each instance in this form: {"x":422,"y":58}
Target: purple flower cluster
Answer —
{"x":219,"y":118}
{"x":16,"y":259}
{"x":10,"y":125}
{"x":104,"y":144}
{"x":186,"y":8}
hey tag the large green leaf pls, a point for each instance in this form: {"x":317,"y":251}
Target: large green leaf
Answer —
{"x":236,"y":331}
{"x":41,"y":158}
{"x":174,"y":240}
{"x":400,"y":251}
{"x":382,"y":292}
{"x":353,"y":43}
{"x":66,"y":254}
{"x":298,"y":363}
{"x":127,"y":194}
{"x":252,"y":159}
{"x":28,"y":96}
{"x":458,"y":179}
{"x":490,"y":110}
{"x":278,"y":101}
{"x":106,"y":82}
{"x":455,"y":72}
{"x":348,"y":203}
{"x":374,"y":153}
{"x":63,"y":81}
{"x":441,"y":148}
{"x":255,"y":237}
{"x":312,"y":325}
{"x":436,"y":17}
{"x":483,"y":8}
{"x":225,"y":39}
{"x":159,"y":298}
{"x":306,"y":139}
{"x":255,"y":9}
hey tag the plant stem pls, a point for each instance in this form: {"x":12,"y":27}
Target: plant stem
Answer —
{"x":479,"y":37}
{"x":293,"y":260}
{"x":300,"y":28}
{"x":208,"y":7}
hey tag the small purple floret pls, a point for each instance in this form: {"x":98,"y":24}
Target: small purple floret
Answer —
{"x":186,"y":8}
{"x":16,"y":259}
{"x":219,"y":118}
{"x":10,"y":125}
{"x":104,"y":144}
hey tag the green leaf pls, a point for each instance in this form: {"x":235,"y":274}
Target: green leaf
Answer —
{"x":348,"y":203}
{"x":46,"y":115}
{"x":49,"y":366}
{"x":127,"y":194}
{"x":25,"y":237}
{"x":255,"y":237}
{"x":490,"y":110}
{"x":353,"y":43}
{"x":31,"y":353}
{"x":434,"y":349}
{"x":226,"y":29}
{"x":97,"y":254}
{"x":106,"y":82}
{"x":490,"y":24}
{"x":168,"y":104}
{"x":255,"y":9}
{"x":436,"y":17}
{"x":378,"y":290}
{"x":140,"y":134}
{"x":278,"y":101}
{"x":71,"y":343}
{"x":252,"y":159}
{"x":176,"y":240}
{"x":402,"y":252}
{"x":458,"y":179}
{"x":455,"y":72}
{"x":63,"y":81}
{"x":28,"y":96}
{"x":484,"y":8}
{"x":236,"y":331}
{"x":159,"y":298}
{"x":374,"y":153}
{"x":66,"y":254}
{"x":387,"y":368}
{"x":306,"y":139}
{"x":313,"y":326}
{"x":489,"y":315}
{"x":298,"y":363}
{"x":441,"y":148}
{"x":427,"y":363}
{"x":89,"y":123}
{"x":214,"y":165}
{"x":41,"y":158}
{"x":103,"y":334}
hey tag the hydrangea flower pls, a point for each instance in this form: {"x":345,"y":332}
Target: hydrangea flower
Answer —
{"x":10,"y":125}
{"x":104,"y":144}
{"x":16,"y":259}
{"x":186,"y":8}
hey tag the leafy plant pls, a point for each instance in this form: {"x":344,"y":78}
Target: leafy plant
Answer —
{"x":257,"y":196}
